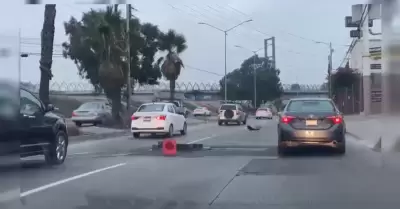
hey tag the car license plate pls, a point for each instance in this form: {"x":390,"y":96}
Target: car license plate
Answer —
{"x":309,"y":133}
{"x":147,"y":119}
{"x":311,"y":122}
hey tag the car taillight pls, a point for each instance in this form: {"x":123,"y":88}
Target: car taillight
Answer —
{"x":287,"y":119}
{"x":161,"y":117}
{"x":336,"y":119}
{"x":134,"y":117}
{"x":73,"y":114}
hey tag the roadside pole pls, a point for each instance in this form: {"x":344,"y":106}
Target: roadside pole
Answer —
{"x":128,"y":59}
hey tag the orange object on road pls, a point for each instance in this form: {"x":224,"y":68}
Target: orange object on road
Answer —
{"x":169,"y":147}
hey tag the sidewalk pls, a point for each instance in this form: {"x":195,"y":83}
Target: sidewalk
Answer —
{"x":370,"y":129}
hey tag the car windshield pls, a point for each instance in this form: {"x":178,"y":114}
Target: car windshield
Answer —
{"x":200,"y":115}
{"x":228,"y":107}
{"x":90,"y":106}
{"x":151,"y":108}
{"x":310,"y":106}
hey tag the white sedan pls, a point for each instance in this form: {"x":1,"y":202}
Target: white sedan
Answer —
{"x":264,"y":113}
{"x":201,"y":111}
{"x":158,"y":118}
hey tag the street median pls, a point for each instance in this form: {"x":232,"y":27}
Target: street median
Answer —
{"x":379,"y":132}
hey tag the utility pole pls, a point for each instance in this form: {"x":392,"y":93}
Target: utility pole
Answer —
{"x":330,"y":70}
{"x":255,"y":80}
{"x":271,"y":59}
{"x":128,"y":59}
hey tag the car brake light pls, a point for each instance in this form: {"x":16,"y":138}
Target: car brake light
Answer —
{"x":287,"y":119}
{"x":73,"y":114}
{"x":161,"y":117}
{"x":134,"y":117}
{"x":336,"y":119}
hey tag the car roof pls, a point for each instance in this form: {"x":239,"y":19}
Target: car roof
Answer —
{"x":311,"y":98}
{"x":161,"y":103}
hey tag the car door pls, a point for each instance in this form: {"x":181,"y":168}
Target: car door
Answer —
{"x":178,"y":118}
{"x":172,"y":115}
{"x":32,"y":114}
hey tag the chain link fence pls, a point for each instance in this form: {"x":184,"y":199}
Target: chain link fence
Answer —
{"x":86,"y":88}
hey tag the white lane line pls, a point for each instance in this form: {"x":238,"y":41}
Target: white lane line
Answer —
{"x":202,"y":139}
{"x":57,"y":183}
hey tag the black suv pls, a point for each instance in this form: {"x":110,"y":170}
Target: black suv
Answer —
{"x":38,"y":129}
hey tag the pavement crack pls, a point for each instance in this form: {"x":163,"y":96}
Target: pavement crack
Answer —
{"x":227,"y":184}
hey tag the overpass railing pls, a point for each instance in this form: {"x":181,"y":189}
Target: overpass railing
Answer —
{"x":87,"y":88}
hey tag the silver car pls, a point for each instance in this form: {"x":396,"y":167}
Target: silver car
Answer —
{"x":91,"y":113}
{"x":231,"y":113}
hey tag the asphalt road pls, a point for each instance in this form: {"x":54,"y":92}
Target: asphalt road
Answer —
{"x":241,"y":170}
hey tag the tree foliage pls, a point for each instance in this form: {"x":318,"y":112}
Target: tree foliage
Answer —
{"x":97,"y":45}
{"x":240,"y":82}
{"x":174,"y":44}
{"x":344,"y":77}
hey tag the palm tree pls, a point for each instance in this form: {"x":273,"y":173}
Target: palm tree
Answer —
{"x":46,"y":58}
{"x":174,"y":44}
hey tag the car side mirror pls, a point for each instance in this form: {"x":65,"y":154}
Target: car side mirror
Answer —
{"x":50,"y":107}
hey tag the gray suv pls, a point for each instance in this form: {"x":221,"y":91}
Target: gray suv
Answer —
{"x":231,"y":113}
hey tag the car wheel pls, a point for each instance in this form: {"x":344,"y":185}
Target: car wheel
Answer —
{"x":136,"y":135}
{"x":281,"y":151}
{"x":341,"y":149}
{"x":170,"y":131}
{"x":184,"y":130}
{"x":79,"y":124}
{"x":219,"y":123}
{"x":57,"y":151}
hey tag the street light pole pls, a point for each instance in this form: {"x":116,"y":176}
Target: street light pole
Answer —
{"x":254,"y":71}
{"x":225,"y":34}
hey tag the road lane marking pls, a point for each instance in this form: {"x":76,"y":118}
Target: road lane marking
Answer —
{"x":63,"y":181}
{"x":202,"y":139}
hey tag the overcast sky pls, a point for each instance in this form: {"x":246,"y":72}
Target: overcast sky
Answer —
{"x":297,"y":26}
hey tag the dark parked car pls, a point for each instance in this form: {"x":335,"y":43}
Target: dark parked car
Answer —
{"x":38,"y":130}
{"x":311,"y":122}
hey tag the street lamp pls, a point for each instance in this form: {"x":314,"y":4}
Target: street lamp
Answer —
{"x":226,"y":34}
{"x":254,"y":73}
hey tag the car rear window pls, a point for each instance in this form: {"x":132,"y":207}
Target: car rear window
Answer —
{"x":151,"y":108}
{"x":264,"y":109}
{"x":310,"y":106}
{"x":90,"y":106}
{"x":228,"y":107}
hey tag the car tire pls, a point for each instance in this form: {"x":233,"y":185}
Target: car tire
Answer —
{"x":220,"y":123}
{"x":257,"y":118}
{"x":170,"y":131}
{"x":184,"y":130}
{"x":79,"y":124}
{"x":281,"y":151}
{"x":136,"y":135}
{"x":341,"y":150}
{"x":57,"y":150}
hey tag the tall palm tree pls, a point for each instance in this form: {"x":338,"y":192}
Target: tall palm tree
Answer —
{"x":174,"y":44}
{"x":46,"y":55}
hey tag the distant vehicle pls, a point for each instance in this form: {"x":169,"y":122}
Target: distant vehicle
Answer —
{"x":179,"y":104}
{"x":231,"y":113}
{"x":264,"y":113}
{"x":158,"y":117}
{"x":41,"y":132}
{"x":201,"y":111}
{"x":91,"y":113}
{"x":311,"y":122}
